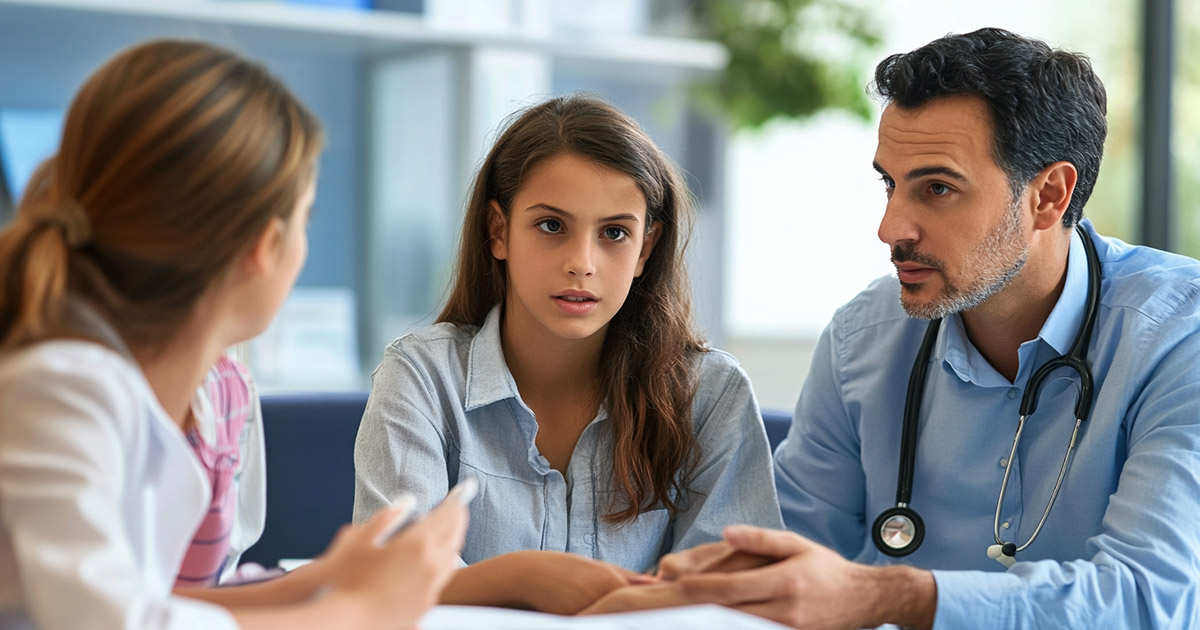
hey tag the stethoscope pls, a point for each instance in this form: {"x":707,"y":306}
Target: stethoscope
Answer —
{"x":899,"y":530}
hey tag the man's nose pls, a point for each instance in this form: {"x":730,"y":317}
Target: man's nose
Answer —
{"x":898,"y":223}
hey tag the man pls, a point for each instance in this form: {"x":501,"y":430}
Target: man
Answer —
{"x":989,"y":147}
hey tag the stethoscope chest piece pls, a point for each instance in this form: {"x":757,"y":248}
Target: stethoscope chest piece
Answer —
{"x":898,"y":531}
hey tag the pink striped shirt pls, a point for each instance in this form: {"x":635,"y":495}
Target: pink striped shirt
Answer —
{"x":216,"y":438}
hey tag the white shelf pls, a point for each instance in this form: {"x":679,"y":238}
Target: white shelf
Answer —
{"x":371,"y":32}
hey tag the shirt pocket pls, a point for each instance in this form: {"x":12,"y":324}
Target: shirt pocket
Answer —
{"x":506,"y":515}
{"x":636,"y":545}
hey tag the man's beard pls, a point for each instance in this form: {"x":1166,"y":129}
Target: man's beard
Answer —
{"x":997,"y":261}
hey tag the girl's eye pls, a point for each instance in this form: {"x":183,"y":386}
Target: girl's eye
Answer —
{"x":613,"y":233}
{"x":550,"y":226}
{"x":939,"y":189}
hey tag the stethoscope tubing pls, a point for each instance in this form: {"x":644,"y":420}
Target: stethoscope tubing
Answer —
{"x":912,"y":411}
{"x":1062,"y":472}
{"x":1075,"y":360}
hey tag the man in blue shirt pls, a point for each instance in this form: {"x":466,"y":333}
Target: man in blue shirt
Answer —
{"x":989,"y":147}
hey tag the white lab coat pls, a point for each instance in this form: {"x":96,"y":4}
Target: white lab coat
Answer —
{"x":100,"y":495}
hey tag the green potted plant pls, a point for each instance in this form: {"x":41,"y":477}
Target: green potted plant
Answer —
{"x":788,"y":58}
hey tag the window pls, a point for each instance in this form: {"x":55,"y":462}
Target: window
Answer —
{"x":805,"y":203}
{"x":1186,"y":139}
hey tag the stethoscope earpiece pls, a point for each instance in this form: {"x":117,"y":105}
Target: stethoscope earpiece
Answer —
{"x":1004,"y":554}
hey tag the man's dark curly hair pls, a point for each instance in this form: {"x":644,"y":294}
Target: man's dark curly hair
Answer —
{"x":1047,"y":105}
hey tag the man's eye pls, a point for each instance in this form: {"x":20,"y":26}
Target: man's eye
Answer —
{"x":939,"y":189}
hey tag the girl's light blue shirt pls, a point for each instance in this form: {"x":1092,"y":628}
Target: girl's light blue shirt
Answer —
{"x":444,"y":406}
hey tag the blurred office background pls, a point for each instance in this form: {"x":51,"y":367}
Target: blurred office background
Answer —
{"x":777,"y":145}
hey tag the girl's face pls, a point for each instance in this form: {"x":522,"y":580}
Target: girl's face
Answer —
{"x":573,"y":241}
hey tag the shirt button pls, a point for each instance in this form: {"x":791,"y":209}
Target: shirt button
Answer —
{"x":1003,"y":462}
{"x":589,"y":538}
{"x":1004,"y":525}
{"x":1012,"y":393}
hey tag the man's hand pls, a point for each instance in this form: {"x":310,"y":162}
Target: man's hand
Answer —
{"x":811,"y":586}
{"x":718,"y":557}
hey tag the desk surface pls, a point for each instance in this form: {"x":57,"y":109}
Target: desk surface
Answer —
{"x":686,"y":618}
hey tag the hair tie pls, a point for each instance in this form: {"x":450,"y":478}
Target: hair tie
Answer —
{"x":67,"y":215}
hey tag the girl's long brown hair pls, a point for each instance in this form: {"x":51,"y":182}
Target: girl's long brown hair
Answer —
{"x":174,"y":158}
{"x":646,"y":361}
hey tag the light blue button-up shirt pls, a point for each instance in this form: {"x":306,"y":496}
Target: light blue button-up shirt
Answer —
{"x":1121,"y":548}
{"x":444,"y":406}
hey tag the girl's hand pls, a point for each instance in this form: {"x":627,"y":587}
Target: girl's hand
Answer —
{"x":694,"y":560}
{"x":398,"y":583}
{"x":566,"y":583}
{"x":548,"y":581}
{"x":640,"y":597}
{"x":718,"y":557}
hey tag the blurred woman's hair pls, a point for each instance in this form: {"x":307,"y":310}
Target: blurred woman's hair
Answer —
{"x":175,"y":157}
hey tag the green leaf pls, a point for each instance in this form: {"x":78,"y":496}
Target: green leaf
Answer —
{"x":788,"y":58}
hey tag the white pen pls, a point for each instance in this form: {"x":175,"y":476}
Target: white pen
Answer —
{"x":408,"y":517}
{"x":463,"y":493}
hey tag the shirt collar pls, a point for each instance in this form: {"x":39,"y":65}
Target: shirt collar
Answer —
{"x":1058,"y":331}
{"x":488,"y":377}
{"x":1064,"y":320}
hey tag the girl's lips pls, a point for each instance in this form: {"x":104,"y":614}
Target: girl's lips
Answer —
{"x":575,"y":306}
{"x":576,"y":293}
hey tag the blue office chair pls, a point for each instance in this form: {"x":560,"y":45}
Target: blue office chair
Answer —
{"x":310,"y":470}
{"x":777,"y":423}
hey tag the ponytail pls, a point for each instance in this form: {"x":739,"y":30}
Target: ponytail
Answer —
{"x":175,"y":156}
{"x":36,"y":252}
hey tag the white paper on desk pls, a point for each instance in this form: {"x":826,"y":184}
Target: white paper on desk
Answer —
{"x":704,"y":617}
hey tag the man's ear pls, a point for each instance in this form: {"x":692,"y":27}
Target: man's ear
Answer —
{"x":264,"y":253}
{"x":648,"y":244}
{"x":1050,"y":194}
{"x":497,"y":231}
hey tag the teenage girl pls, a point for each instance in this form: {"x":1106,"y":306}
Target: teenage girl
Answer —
{"x":565,"y":373}
{"x":169,"y":226}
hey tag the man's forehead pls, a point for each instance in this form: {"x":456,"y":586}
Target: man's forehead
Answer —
{"x":956,"y":128}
